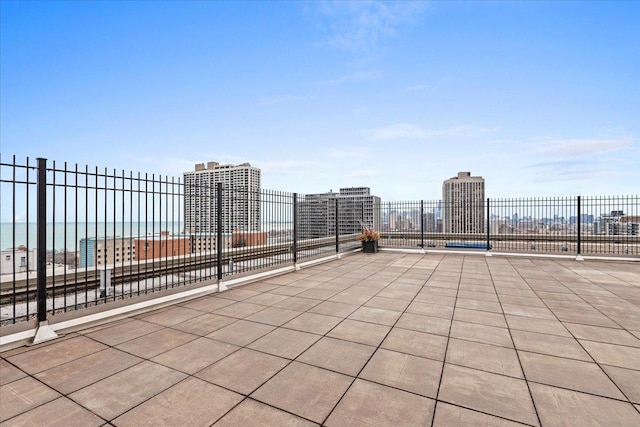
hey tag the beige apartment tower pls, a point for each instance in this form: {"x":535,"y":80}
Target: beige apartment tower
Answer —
{"x":240,"y":200}
{"x":463,"y":204}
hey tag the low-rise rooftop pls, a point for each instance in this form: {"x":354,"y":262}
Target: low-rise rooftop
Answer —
{"x":385,"y":339}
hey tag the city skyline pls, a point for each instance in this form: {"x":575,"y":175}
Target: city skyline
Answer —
{"x":541,"y":99}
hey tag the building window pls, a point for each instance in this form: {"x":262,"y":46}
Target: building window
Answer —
{"x":23,"y":261}
{"x":8,"y":258}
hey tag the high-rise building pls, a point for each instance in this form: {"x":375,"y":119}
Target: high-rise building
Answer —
{"x":356,"y":207}
{"x":463,"y":204}
{"x":240,"y":201}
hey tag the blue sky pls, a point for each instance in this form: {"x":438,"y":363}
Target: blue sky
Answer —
{"x":540,"y":98}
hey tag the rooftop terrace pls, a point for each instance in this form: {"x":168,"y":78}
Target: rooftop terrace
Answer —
{"x":385,"y":339}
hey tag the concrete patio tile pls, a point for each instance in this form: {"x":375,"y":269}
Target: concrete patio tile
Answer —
{"x":387,"y":303}
{"x":240,"y":310}
{"x":360,"y":332}
{"x":481,"y":317}
{"x":22,"y":395}
{"x":238,"y":294}
{"x":543,"y":326}
{"x":591,"y":317}
{"x":321,"y":294}
{"x":490,"y":295}
{"x":528,"y":311}
{"x":606,"y":335}
{"x":433,"y":310}
{"x":528,"y":301}
{"x":9,"y":373}
{"x":79,"y":373}
{"x":560,"y":407}
{"x":298,"y":304}
{"x":337,"y":309}
{"x":369,"y":404}
{"x":195,"y":355}
{"x":430,"y":298}
{"x":61,"y":412}
{"x":627,"y":380}
{"x":123,"y":332}
{"x":57,"y":353}
{"x":243,"y":371}
{"x":494,"y":394}
{"x":274,"y":316}
{"x":615,"y":355}
{"x":481,"y":333}
{"x":403,"y":294}
{"x":313,"y":323}
{"x":249,"y":412}
{"x":447,"y":415}
{"x":170,"y":316}
{"x":416,"y":343}
{"x":484,"y":357}
{"x":193,"y":402}
{"x":208,"y":303}
{"x":337,"y":355}
{"x":151,"y":345}
{"x":287,"y":290}
{"x":376,"y":315}
{"x":475,"y":304}
{"x":285,"y":343}
{"x":404,"y":371}
{"x":549,"y":344}
{"x":293,"y":388}
{"x":204,"y":324}
{"x":428,"y":324}
{"x":265,"y":286}
{"x":119,"y":393}
{"x":568,"y":373}
{"x":266,"y":299}
{"x":429,"y":289}
{"x":354,"y":295}
{"x":241,"y":332}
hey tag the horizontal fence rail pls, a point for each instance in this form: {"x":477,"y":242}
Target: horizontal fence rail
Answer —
{"x":74,"y":237}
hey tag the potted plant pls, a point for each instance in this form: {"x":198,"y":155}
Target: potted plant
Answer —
{"x":369,"y":238}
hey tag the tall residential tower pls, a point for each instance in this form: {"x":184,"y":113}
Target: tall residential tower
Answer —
{"x":463,"y":204}
{"x":240,"y":201}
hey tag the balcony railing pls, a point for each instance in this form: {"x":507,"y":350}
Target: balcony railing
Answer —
{"x":77,"y":237}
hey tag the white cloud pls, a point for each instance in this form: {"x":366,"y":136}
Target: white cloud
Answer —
{"x":359,"y":26}
{"x":289,"y":166}
{"x":360,"y":153}
{"x":362,"y":174}
{"x":281,"y":99}
{"x":407,"y":130}
{"x":583,"y":147}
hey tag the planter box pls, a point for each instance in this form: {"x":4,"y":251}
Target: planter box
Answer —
{"x":370,"y":247}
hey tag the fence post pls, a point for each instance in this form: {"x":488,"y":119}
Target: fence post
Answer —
{"x":488,"y":229}
{"x":579,"y":239}
{"x":337,"y":228}
{"x":219,"y":245}
{"x":422,"y":225}
{"x":43,"y":332}
{"x":294,"y":248}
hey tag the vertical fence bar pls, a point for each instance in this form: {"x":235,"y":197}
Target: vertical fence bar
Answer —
{"x":42,"y":239}
{"x":488,"y":226}
{"x":219,"y":227}
{"x":295,"y":228}
{"x":422,"y":224}
{"x":337,"y":227}
{"x":579,"y":226}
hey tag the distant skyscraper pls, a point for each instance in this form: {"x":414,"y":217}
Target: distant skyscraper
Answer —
{"x":463,"y":204}
{"x":317,"y":214}
{"x":240,"y":202}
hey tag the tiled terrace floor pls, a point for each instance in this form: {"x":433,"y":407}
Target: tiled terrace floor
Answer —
{"x":384,"y":339}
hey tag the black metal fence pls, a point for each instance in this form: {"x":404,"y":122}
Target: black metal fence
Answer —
{"x":73,"y":237}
